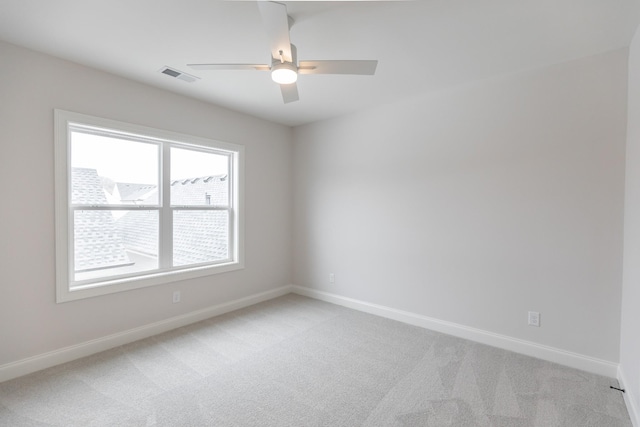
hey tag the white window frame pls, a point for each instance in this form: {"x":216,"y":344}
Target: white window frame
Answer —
{"x":63,"y":120}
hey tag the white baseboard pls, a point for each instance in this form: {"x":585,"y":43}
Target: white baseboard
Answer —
{"x":567,"y":358}
{"x":556,"y":355}
{"x":630,"y":399}
{"x":56,"y":357}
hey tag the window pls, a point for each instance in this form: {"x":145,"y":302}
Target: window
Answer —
{"x":137,"y":206}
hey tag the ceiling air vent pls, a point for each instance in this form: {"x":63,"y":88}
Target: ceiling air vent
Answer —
{"x":178,"y":74}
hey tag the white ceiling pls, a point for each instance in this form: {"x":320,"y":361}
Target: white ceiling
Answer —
{"x":421,"y":45}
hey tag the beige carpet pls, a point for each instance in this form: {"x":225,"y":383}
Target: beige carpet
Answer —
{"x":295,"y":361}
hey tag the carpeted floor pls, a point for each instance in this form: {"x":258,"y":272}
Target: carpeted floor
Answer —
{"x":294,"y":361}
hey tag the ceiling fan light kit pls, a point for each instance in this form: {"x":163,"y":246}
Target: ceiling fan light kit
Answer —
{"x":284,"y":73}
{"x":284,"y":62}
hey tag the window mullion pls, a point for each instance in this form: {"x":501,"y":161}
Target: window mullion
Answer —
{"x":166,"y":213}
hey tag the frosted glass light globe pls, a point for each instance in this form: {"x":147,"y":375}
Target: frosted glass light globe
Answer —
{"x":284,"y":73}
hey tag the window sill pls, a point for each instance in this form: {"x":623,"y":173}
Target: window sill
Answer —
{"x":152,"y":279}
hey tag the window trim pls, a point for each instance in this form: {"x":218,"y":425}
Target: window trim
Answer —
{"x":64,"y":213}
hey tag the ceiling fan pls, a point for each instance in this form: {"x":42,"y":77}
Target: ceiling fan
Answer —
{"x":284,"y":65}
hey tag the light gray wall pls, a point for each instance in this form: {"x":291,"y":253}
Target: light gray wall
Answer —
{"x":630,"y":330}
{"x":477,"y":204}
{"x":31,"y":86}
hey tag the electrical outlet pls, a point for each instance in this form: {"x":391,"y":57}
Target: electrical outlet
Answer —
{"x":176,"y":296}
{"x":332,"y":278}
{"x":534,"y":318}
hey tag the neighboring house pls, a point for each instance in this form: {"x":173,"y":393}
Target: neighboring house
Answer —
{"x":109,"y":239}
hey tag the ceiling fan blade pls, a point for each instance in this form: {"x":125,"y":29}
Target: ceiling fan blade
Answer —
{"x":259,"y":67}
{"x":361,"y":67}
{"x":276,"y":22}
{"x":289,"y":92}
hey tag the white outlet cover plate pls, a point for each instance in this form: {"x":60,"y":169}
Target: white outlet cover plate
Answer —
{"x":534,"y":318}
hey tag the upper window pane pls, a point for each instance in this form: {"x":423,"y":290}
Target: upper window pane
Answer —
{"x":199,"y":178}
{"x":112,"y":170}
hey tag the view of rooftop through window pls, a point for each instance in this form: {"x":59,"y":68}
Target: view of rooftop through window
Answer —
{"x":112,"y":174}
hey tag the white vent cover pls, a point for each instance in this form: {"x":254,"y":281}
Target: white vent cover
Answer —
{"x":178,"y":74}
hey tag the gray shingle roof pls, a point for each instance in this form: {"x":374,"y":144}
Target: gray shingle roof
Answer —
{"x":194,"y":191}
{"x":97,"y":242}
{"x":86,"y":187}
{"x":102,"y":241}
{"x":208,"y":244}
{"x":139,"y":231}
{"x":134,"y":192}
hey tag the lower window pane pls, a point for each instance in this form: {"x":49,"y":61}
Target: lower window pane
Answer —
{"x":111,"y":243}
{"x":200,"y":236}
